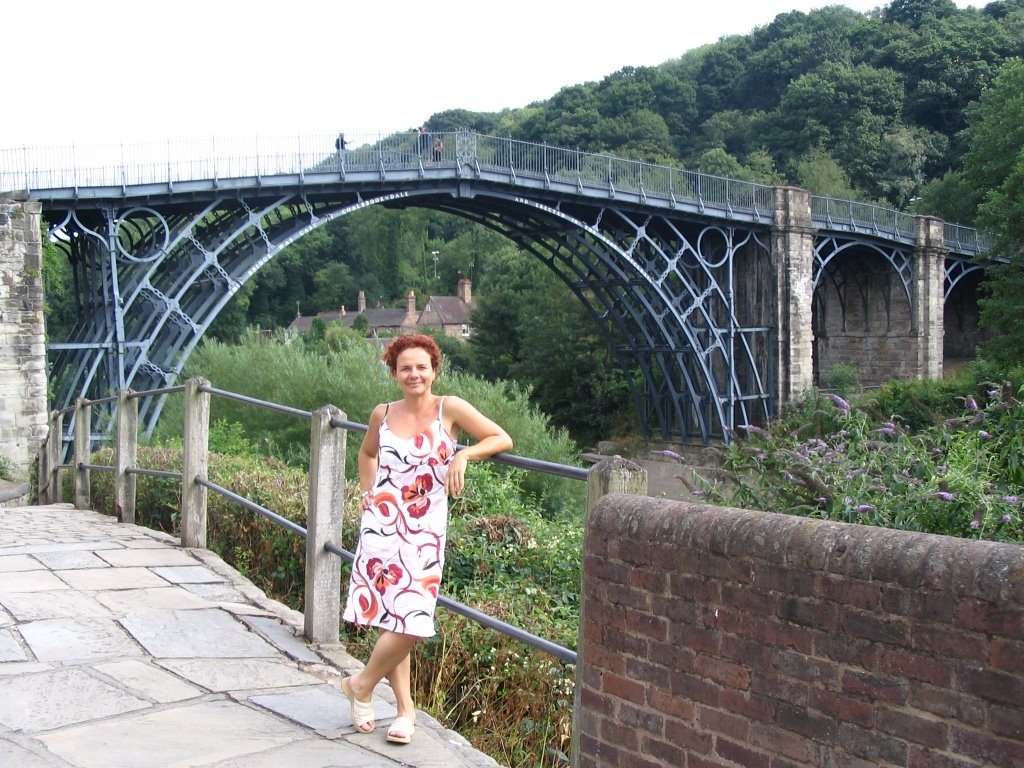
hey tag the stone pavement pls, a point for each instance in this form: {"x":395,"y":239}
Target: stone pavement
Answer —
{"x":121,"y":649}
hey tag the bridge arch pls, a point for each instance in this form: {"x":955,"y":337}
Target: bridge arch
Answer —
{"x":675,"y":266}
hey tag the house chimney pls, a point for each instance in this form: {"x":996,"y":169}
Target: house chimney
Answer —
{"x":466,"y":290}
{"x":343,"y":312}
{"x":410,"y":306}
{"x":361,"y":302}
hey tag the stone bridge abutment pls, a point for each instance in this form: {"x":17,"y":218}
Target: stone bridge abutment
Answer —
{"x":22,"y":338}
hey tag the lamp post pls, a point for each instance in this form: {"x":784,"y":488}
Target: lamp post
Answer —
{"x":435,"y":255}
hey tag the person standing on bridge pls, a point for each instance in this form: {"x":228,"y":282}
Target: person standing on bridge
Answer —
{"x":408,"y":466}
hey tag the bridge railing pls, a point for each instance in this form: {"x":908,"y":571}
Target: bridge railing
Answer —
{"x":325,"y":500}
{"x":30,"y":170}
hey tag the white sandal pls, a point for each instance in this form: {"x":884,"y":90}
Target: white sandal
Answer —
{"x":361,"y":711}
{"x":401,"y":730}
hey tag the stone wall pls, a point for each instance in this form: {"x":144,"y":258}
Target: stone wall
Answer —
{"x":723,"y":637}
{"x":22,"y":341}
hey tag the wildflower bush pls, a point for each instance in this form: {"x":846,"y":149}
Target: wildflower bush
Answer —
{"x":837,"y":461}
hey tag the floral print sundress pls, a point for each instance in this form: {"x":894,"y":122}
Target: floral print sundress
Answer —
{"x":398,"y":561}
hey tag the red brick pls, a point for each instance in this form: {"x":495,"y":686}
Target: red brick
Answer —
{"x":653,"y":627}
{"x":688,"y":737}
{"x":741,"y":754}
{"x":595,"y":753}
{"x":875,"y":687}
{"x":872,"y":745}
{"x":888,"y":629}
{"x":672,"y":656}
{"x":642,"y":719}
{"x":1005,"y":654}
{"x":653,"y":675}
{"x":695,"y":588}
{"x":789,"y":635}
{"x":777,"y":688}
{"x":991,"y":685}
{"x":597,"y":656}
{"x":654,"y":582}
{"x":985,"y":617}
{"x":594,"y":703}
{"x":809,"y":613}
{"x":756,"y":708}
{"x":915,"y":667}
{"x":622,"y":736}
{"x":914,"y":728}
{"x":991,"y":750}
{"x":778,"y":741}
{"x":676,"y":609}
{"x":945,"y":703}
{"x":949,"y":642}
{"x":851,"y":592}
{"x":1007,"y":722}
{"x":848,"y":708}
{"x":723,"y":723}
{"x":622,"y":688}
{"x":627,"y":597}
{"x":667,"y":752}
{"x":847,"y":650}
{"x":724,"y":672}
{"x":696,"y":638}
{"x":696,"y":688}
{"x":926,"y":758}
{"x":802,"y":667}
{"x":676,"y":707}
{"x":749,"y":652}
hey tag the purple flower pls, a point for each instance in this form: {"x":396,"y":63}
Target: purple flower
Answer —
{"x":984,"y":435}
{"x":1011,"y":499}
{"x":863,"y":509}
{"x":970,"y":403}
{"x":993,"y":393}
{"x":975,"y":524}
{"x":885,"y":431}
{"x":674,"y":455}
{"x":750,"y":429}
{"x":944,"y":495}
{"x":1006,"y":517}
{"x":842,"y":405}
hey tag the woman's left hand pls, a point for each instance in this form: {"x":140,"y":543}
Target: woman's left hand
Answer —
{"x":455,"y":483}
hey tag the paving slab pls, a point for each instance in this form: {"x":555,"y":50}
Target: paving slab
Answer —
{"x":183,"y":737}
{"x":167,"y":597}
{"x":16,"y":756}
{"x":77,"y":639}
{"x":64,"y":604}
{"x":60,"y":697}
{"x":204,"y":633}
{"x":313,"y":753}
{"x":10,"y":648}
{"x":10,"y":563}
{"x":193,"y":574}
{"x":275,"y":632}
{"x":162,"y":556}
{"x":149,"y":681}
{"x":222,"y":675}
{"x":30,"y":581}
{"x":79,"y":558}
{"x":95,"y":579}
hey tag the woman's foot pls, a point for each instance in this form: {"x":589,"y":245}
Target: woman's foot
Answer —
{"x":361,"y":711}
{"x":401,"y":730}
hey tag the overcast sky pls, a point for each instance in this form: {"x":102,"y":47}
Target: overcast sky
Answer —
{"x":120,"y":70}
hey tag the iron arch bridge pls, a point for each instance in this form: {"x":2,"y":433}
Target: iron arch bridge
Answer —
{"x":675,"y":266}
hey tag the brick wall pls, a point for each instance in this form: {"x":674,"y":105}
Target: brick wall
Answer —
{"x":22,"y":342}
{"x":723,"y":637}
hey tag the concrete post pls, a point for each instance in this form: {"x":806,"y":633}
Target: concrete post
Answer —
{"x":928,"y":296}
{"x":54,"y":446}
{"x":83,"y":444}
{"x":793,"y":264}
{"x":126,"y":456}
{"x":323,"y":524}
{"x":194,"y":461}
{"x":612,"y":475}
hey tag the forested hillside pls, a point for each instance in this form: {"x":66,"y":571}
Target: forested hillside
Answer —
{"x":874,"y":106}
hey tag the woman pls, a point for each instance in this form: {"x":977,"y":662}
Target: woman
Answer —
{"x":408,"y":466}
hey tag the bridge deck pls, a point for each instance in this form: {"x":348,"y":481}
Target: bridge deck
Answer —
{"x":120,"y":648}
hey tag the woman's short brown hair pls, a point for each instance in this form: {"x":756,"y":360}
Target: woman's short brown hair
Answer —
{"x":412,"y":341}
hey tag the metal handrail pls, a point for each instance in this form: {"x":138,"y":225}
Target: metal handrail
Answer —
{"x":307,"y":159}
{"x":547,"y":646}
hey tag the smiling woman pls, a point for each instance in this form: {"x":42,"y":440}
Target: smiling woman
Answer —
{"x":409,"y":463}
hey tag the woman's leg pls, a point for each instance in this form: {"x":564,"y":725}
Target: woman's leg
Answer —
{"x":390,"y":659}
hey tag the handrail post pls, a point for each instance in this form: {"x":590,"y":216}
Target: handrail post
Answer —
{"x":54,"y":491}
{"x":323,"y":525}
{"x":126,"y":455}
{"x":195,"y":455}
{"x":611,"y":475}
{"x":43,"y":467}
{"x":83,"y":430}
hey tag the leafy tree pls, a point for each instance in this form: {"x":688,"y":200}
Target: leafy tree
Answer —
{"x":995,"y":163}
